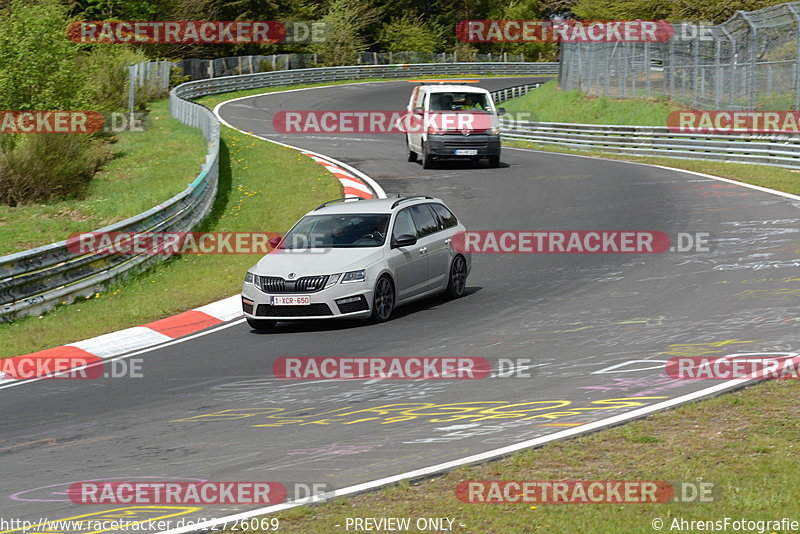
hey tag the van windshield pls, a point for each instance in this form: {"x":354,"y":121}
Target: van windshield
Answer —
{"x":465,"y":101}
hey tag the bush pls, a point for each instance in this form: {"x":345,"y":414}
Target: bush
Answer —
{"x":107,"y":83}
{"x":42,"y":167}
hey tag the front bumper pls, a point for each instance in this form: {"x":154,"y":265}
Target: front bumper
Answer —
{"x":256,"y":304}
{"x":446,"y":145}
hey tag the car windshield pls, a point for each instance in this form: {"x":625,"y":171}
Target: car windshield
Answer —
{"x":459,"y":102}
{"x":338,"y":231}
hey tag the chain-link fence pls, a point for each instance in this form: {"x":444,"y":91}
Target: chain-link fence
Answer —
{"x":201,"y":69}
{"x":750,"y":62}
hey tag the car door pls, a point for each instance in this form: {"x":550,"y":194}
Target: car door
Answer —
{"x":434,"y":237}
{"x":409,"y":264}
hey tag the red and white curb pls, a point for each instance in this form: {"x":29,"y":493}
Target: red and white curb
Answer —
{"x":352,"y":185}
{"x":144,"y":336}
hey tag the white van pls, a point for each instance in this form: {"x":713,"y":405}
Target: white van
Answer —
{"x":459,"y":121}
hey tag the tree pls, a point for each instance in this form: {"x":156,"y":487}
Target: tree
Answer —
{"x":345,"y":23}
{"x":411,"y":34}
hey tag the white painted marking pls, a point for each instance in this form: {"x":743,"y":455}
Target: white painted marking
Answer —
{"x":121,"y":341}
{"x":225,"y":309}
{"x":137,"y":353}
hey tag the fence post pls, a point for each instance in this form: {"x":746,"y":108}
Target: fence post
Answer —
{"x":750,"y":73}
{"x":718,"y":75}
{"x":796,"y":17}
{"x":647,"y":68}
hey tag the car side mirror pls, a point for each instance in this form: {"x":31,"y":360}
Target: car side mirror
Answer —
{"x":275,"y":241}
{"x":501,"y":112}
{"x":404,"y":240}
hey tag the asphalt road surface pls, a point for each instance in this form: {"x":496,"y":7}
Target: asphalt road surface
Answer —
{"x":594,"y":327}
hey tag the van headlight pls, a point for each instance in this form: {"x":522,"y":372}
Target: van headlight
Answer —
{"x":354,"y":276}
{"x":495,"y":131}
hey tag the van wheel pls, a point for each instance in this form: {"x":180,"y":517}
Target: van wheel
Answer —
{"x":412,"y":156}
{"x":427,"y":159}
{"x":494,"y":162}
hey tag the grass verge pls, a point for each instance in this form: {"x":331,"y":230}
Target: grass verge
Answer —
{"x":149,"y":167}
{"x":548,"y":103}
{"x":263,"y":188}
{"x":744,"y":442}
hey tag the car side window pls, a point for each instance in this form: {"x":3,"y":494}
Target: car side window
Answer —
{"x":403,"y":224}
{"x":446,"y":217}
{"x":424,"y":220}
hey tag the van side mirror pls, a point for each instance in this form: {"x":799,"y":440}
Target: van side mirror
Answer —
{"x":501,"y":111}
{"x":418,"y":110}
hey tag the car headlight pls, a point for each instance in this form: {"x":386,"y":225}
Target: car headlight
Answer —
{"x":332,"y":279}
{"x":354,"y":276}
{"x":249,"y":277}
{"x":495,"y":131}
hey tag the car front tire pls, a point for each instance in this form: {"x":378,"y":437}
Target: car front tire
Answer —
{"x":261,"y":325}
{"x":382,"y":300}
{"x":457,"y":279}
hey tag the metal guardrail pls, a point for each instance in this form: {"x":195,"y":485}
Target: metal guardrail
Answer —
{"x":761,"y":149}
{"x":360,"y":72}
{"x":36,"y":280}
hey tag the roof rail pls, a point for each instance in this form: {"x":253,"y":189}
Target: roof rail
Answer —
{"x":337,"y":200}
{"x":406,"y":199}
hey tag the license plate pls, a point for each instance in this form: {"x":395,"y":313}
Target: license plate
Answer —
{"x":466,"y":152}
{"x":290,"y":301}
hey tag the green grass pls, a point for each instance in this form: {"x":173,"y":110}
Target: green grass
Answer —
{"x":744,"y":442}
{"x":548,"y":103}
{"x":263,"y":188}
{"x":149,"y":168}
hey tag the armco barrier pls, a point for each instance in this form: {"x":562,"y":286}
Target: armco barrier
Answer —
{"x":36,"y":280}
{"x":759,"y":149}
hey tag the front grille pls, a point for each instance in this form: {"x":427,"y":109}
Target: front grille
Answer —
{"x":465,"y":144}
{"x":267,"y":310}
{"x":306,"y":284}
{"x":272,"y":284}
{"x":350,"y":307}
